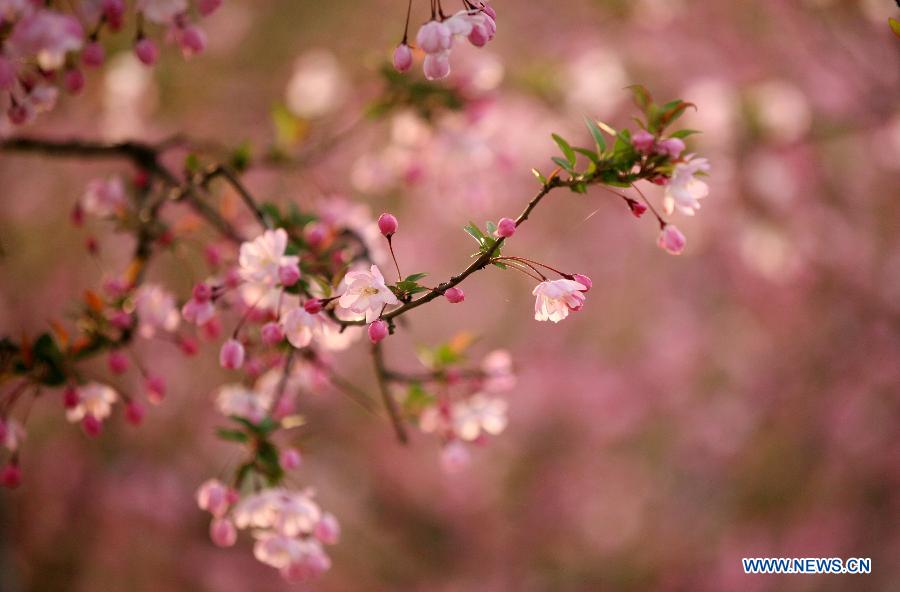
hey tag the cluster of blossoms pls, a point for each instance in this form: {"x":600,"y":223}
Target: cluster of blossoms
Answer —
{"x":288,"y":526}
{"x":42,"y":49}
{"x":477,"y":23}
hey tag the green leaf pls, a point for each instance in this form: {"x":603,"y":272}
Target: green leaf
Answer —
{"x":667,"y":114}
{"x":415,"y":277}
{"x":232,"y":435}
{"x":47,"y":354}
{"x":565,"y":147}
{"x":895,"y":26}
{"x":597,"y":134}
{"x":589,"y":153}
{"x":192,"y":163}
{"x":475,"y":232}
{"x":684,"y":133}
{"x":241,"y":157}
{"x":537,"y":174}
{"x":641,"y":97}
{"x":563,"y":163}
{"x":417,"y":399}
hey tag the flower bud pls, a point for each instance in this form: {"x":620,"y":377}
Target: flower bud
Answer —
{"x":134,"y":413}
{"x":671,"y":239}
{"x":202,"y":292}
{"x":192,"y":40}
{"x":156,"y":389}
{"x":271,"y":334}
{"x":436,"y":66}
{"x":313,"y":306}
{"x":506,"y":227}
{"x":584,"y":281}
{"x":290,"y":459}
{"x":146,"y":51}
{"x":222,"y":532}
{"x":643,"y":141}
{"x":637,"y":208}
{"x":118,"y":362}
{"x":91,"y":425}
{"x":403,"y":58}
{"x":328,"y":530}
{"x":378,"y":330}
{"x":231,"y":356}
{"x":434,"y":37}
{"x":73,"y":80}
{"x":11,"y":476}
{"x":289,"y":274}
{"x":207,"y":7}
{"x":454,"y":295}
{"x":121,"y":320}
{"x":114,"y":13}
{"x":388,"y":224}
{"x":93,"y":54}
{"x":315,"y":233}
{"x":18,"y":113}
{"x":188,"y":346}
{"x":673,"y":147}
{"x":71,"y":397}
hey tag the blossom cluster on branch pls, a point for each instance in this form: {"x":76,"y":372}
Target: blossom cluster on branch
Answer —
{"x":275,"y":304}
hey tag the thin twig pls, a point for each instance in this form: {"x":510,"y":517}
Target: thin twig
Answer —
{"x":389,"y":403}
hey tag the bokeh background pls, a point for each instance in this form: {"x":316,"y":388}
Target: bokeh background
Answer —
{"x":739,"y":400}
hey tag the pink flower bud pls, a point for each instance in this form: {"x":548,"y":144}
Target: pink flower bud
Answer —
{"x":434,"y":37}
{"x":73,"y":80}
{"x":388,"y":224}
{"x":436,"y":66}
{"x":7,"y":74}
{"x":213,"y":255}
{"x":637,"y":208}
{"x":156,"y":389}
{"x":222,"y":532}
{"x":271,"y":334}
{"x":454,"y":295}
{"x":584,"y":281}
{"x":289,"y":274}
{"x":207,"y":7}
{"x":643,"y":141}
{"x":91,"y":425}
{"x":403,"y":58}
{"x":378,"y":330}
{"x":188,"y":346}
{"x":506,"y":227}
{"x":659,"y":180}
{"x":315,"y":233}
{"x":146,"y":51}
{"x":671,"y":239}
{"x":93,"y":54}
{"x":134,"y":413}
{"x":121,"y":320}
{"x":18,"y":114}
{"x":113,"y":12}
{"x":71,"y":397}
{"x":192,"y":40}
{"x":290,"y":459}
{"x":673,"y":147}
{"x":328,"y":530}
{"x":202,"y":292}
{"x":313,"y":306}
{"x":489,"y":10}
{"x":11,"y":476}
{"x":118,"y":362}
{"x":479,"y":35}
{"x":231,"y":356}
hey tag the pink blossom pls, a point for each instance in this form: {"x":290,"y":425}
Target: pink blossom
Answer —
{"x":262,"y":258}
{"x":93,"y":54}
{"x":300,"y":327}
{"x":291,"y":513}
{"x":290,"y":459}
{"x":222,"y":532}
{"x":328,"y":530}
{"x":91,"y":425}
{"x":555,"y":298}
{"x":313,"y":306}
{"x":403,"y":58}
{"x":437,"y":65}
{"x":162,"y":11}
{"x":198,"y":312}
{"x":584,"y":281}
{"x":672,"y":147}
{"x":454,"y":295}
{"x":104,"y":197}
{"x":134,"y":412}
{"x":434,"y":37}
{"x":191,"y":39}
{"x":366,"y":293}
{"x":671,"y":239}
{"x":156,"y":310}
{"x":155,"y":389}
{"x":498,"y":371}
{"x":506,"y":227}
{"x":238,"y":400}
{"x":214,"y":497}
{"x":118,"y":362}
{"x":231,"y":356}
{"x":95,"y":400}
{"x":47,"y":35}
{"x":11,"y":475}
{"x":73,"y":80}
{"x":378,"y":330}
{"x":271,"y":334}
{"x":684,"y":190}
{"x":643,"y":141}
{"x":207,"y":7}
{"x":146,"y":51}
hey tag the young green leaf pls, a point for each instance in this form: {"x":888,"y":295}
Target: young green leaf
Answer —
{"x":597,"y":134}
{"x":566,"y":148}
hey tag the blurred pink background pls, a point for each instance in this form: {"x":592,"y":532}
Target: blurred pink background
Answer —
{"x":738,"y":401}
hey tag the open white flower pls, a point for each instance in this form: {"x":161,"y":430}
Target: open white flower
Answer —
{"x":162,"y":11}
{"x":555,"y":298}
{"x":290,"y":513}
{"x":236,"y":399}
{"x":479,"y":413}
{"x":300,"y":326}
{"x":93,"y":399}
{"x":156,"y":310}
{"x":366,"y":293}
{"x":104,"y":197}
{"x":261,"y":258}
{"x":684,"y":191}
